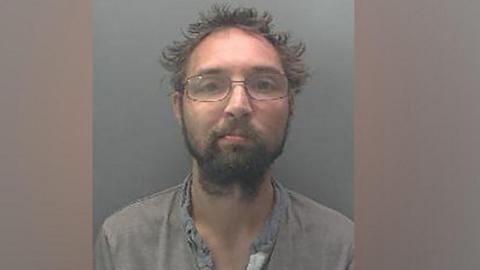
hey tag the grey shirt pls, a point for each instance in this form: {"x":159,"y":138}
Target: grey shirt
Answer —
{"x":158,"y":233}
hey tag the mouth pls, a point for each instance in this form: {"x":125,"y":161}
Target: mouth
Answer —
{"x":234,"y":138}
{"x":235,"y":135}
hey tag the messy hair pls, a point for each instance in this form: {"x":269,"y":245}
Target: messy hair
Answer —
{"x":175,"y":57}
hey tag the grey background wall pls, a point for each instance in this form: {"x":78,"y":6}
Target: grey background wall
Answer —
{"x":137,"y":145}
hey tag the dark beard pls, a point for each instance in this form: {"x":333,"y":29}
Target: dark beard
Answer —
{"x":242,"y":165}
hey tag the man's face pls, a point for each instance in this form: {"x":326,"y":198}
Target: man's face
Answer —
{"x":236,"y":139}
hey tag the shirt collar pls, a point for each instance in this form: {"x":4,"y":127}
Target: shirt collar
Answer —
{"x":264,"y":241}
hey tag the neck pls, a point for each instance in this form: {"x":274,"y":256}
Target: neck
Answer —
{"x":230,"y":215}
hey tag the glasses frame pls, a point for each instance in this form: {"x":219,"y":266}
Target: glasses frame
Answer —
{"x":230,"y":88}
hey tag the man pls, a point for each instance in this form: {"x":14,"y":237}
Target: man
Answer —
{"x":234,"y":81}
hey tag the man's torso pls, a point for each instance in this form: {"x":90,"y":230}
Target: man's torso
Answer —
{"x":150,"y":234}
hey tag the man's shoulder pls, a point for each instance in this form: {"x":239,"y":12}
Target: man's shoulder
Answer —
{"x":145,"y":213}
{"x":325,"y":236}
{"x":312,"y":216}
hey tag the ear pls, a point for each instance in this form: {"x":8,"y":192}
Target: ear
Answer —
{"x":291,"y":103}
{"x":177,"y":106}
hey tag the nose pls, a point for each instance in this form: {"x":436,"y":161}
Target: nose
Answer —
{"x":239,"y":103}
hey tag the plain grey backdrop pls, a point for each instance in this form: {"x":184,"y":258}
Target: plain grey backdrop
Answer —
{"x":138,"y":147}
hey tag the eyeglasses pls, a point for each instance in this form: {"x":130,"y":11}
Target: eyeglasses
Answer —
{"x":216,"y":87}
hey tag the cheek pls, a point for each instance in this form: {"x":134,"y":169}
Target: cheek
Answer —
{"x":280,"y":126}
{"x":275,"y":120}
{"x":198,"y":121}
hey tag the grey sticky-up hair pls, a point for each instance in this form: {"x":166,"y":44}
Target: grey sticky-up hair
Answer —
{"x":175,"y":57}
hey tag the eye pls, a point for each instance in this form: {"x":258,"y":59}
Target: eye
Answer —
{"x":263,"y":84}
{"x":211,"y":84}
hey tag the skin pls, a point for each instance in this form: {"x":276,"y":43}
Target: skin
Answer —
{"x":230,"y":223}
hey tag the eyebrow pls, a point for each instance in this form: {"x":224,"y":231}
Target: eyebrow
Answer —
{"x":208,"y":71}
{"x":265,"y":69}
{"x":254,"y":69}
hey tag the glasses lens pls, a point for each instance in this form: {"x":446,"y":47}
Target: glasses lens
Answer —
{"x":267,"y":86}
{"x":208,"y":87}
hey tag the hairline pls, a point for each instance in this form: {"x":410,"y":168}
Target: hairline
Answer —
{"x":247,"y":30}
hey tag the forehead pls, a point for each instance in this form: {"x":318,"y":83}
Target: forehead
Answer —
{"x":234,"y":51}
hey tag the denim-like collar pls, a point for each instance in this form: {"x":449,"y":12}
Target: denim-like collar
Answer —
{"x":261,"y":247}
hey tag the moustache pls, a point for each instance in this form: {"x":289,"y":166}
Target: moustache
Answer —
{"x":235,"y":127}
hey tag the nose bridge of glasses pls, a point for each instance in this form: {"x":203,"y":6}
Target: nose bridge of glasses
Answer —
{"x":240,"y":95}
{"x":243,"y":83}
{"x":238,"y":82}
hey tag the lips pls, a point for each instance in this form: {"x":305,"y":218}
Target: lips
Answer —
{"x":236,"y":133}
{"x":232,"y":132}
{"x":235,"y":137}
